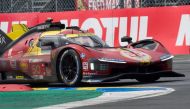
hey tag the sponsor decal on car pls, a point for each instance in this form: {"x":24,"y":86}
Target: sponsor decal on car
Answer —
{"x":35,"y":60}
{"x":13,"y":64}
{"x":82,"y":55}
{"x":19,"y":77}
{"x":38,"y":69}
{"x":9,"y":77}
{"x":136,"y":55}
{"x":38,"y":76}
{"x":24,"y":66}
{"x":85,"y":65}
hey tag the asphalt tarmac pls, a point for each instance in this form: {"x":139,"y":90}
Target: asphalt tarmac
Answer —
{"x":179,"y":99}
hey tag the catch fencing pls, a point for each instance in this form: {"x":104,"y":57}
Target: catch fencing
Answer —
{"x":20,"y":6}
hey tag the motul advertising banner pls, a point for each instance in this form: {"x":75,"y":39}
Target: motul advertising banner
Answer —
{"x":7,"y":20}
{"x":169,"y":25}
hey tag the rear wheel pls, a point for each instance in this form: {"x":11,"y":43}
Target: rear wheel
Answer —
{"x":148,"y":79}
{"x":70,"y":68}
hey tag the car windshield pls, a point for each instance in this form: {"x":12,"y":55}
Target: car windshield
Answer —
{"x":89,"y":41}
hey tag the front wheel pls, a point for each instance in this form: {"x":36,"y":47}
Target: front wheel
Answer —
{"x":70,"y":68}
{"x":148,"y":79}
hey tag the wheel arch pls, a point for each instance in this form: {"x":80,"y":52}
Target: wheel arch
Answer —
{"x":59,"y":57}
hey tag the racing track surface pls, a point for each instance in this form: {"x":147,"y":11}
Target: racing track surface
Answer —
{"x":180,"y":99}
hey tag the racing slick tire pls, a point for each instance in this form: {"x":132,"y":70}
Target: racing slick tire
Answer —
{"x":2,"y":76}
{"x":70,"y":68}
{"x":148,"y":79}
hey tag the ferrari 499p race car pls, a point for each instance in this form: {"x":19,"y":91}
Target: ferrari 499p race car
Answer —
{"x":51,"y":52}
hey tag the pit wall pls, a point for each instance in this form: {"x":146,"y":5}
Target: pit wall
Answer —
{"x":169,"y":25}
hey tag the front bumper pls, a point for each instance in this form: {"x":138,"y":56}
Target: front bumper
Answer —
{"x":109,"y":78}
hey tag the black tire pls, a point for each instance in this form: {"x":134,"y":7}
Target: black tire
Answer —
{"x":70,"y":68}
{"x":2,"y":76}
{"x":148,"y":79}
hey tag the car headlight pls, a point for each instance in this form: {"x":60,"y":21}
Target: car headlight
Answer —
{"x":99,"y":66}
{"x":166,"y":57}
{"x":112,"y":60}
{"x":92,"y":66}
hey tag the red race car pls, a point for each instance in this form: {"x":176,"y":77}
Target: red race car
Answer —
{"x":49,"y":52}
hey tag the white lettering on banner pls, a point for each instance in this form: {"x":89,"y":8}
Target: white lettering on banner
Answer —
{"x":110,"y":4}
{"x":74,"y":22}
{"x":110,"y":24}
{"x":15,"y":22}
{"x":19,"y":22}
{"x":92,"y":23}
{"x":23,"y":22}
{"x":122,"y":30}
{"x":184,"y":31}
{"x":102,"y":4}
{"x":143,"y":28}
{"x":95,"y":4}
{"x":134,"y":28}
{"x":4,"y":25}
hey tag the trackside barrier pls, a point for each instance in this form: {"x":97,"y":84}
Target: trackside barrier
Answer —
{"x":169,"y":25}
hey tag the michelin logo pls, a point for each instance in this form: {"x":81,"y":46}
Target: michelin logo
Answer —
{"x":2,"y":40}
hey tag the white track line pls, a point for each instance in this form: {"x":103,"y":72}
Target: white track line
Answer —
{"x":108,"y":97}
{"x":176,"y":61}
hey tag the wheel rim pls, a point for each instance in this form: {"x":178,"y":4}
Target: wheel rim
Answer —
{"x":69,"y":68}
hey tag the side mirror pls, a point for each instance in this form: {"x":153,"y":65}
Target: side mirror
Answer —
{"x":126,"y":39}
